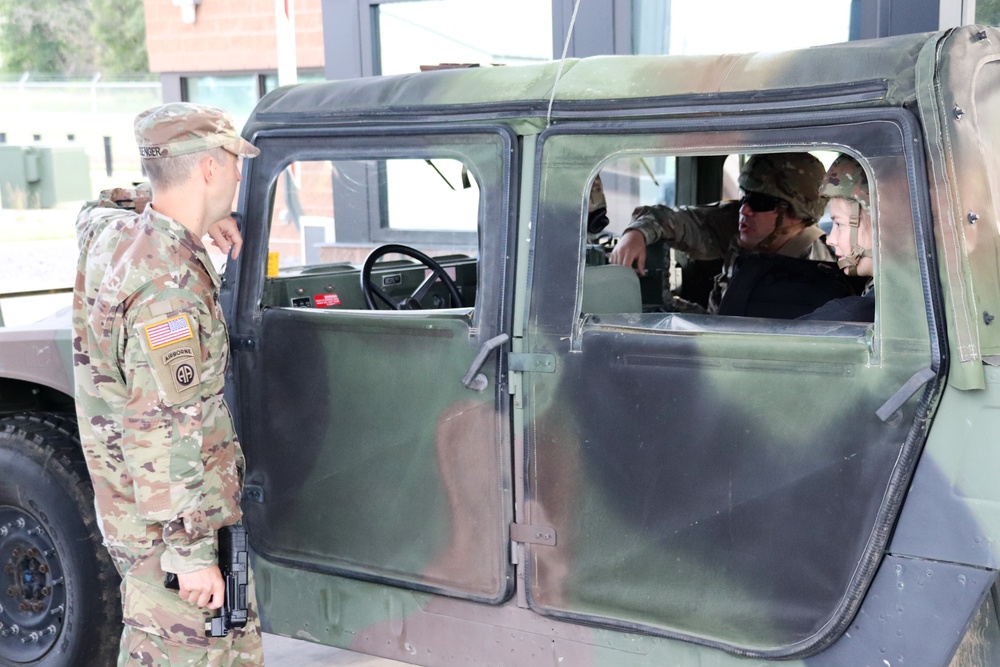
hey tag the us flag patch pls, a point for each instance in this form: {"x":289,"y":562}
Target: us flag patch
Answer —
{"x":171,"y":331}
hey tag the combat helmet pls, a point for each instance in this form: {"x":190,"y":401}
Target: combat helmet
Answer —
{"x":846,"y":179}
{"x":792,"y":177}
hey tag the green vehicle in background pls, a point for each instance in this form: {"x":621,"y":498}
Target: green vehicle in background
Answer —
{"x":491,"y":447}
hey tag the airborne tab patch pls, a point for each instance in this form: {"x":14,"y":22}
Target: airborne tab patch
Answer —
{"x":168,"y":332}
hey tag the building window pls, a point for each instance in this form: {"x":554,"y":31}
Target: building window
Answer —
{"x":269,"y":82}
{"x":431,"y":32}
{"x":236,"y":94}
{"x":692,"y":27}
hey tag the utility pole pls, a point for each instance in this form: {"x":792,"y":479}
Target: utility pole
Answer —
{"x":284,"y":25}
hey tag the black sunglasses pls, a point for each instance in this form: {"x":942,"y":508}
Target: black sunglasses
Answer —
{"x":761,"y":203}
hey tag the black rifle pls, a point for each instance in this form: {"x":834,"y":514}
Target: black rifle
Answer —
{"x":234,"y":564}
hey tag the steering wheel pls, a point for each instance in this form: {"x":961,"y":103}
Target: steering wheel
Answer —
{"x":412,"y":302}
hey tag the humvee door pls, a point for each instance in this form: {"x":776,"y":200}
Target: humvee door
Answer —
{"x":368,"y":455}
{"x":730,"y":480}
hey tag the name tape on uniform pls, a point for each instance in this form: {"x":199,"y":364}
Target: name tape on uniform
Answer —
{"x":168,"y":332}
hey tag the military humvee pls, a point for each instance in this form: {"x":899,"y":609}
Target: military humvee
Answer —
{"x":529,"y":459}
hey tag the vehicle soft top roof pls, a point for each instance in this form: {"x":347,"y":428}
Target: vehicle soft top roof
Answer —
{"x":886,"y":66}
{"x":947,"y":78}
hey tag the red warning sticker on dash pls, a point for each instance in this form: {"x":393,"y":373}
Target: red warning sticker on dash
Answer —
{"x":326,"y":300}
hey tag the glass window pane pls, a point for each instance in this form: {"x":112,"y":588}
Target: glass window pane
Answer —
{"x":235,"y":94}
{"x":438,"y":195}
{"x":432,"y":195}
{"x":271,"y":80}
{"x":694,"y":27}
{"x":302,"y":219}
{"x":309,"y":269}
{"x":431,"y":32}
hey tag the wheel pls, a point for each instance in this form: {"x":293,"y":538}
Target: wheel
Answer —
{"x":369,"y":290}
{"x":59,"y":598}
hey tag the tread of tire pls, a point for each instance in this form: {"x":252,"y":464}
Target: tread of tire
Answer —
{"x":55,"y":436}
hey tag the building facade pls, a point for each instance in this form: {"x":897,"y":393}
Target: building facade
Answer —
{"x":226,"y":53}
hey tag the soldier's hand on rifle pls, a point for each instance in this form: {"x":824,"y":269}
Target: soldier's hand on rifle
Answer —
{"x":203,"y":588}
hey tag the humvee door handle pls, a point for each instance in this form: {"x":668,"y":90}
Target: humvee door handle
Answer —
{"x":473,"y":379}
{"x":909,"y":388}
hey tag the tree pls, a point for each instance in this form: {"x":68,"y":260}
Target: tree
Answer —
{"x":119,"y":32}
{"x":45,"y":36}
{"x":73,"y":37}
{"x":988,"y":12}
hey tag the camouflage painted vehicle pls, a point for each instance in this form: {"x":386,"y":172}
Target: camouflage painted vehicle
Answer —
{"x":545,"y":464}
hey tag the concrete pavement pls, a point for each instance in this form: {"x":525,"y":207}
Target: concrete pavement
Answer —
{"x":286,"y":652}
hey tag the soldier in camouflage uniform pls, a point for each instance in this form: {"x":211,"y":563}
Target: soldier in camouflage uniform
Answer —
{"x":846,"y":187}
{"x":150,"y":352}
{"x":777,"y":213}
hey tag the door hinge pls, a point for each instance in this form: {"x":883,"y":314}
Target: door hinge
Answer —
{"x":531,"y":362}
{"x":240,"y":342}
{"x":528,"y":534}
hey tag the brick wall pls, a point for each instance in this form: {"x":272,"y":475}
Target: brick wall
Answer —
{"x":228,"y":35}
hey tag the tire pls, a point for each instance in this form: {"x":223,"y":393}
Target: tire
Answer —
{"x":58,"y":586}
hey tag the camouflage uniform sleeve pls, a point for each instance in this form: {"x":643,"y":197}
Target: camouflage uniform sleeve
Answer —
{"x":162,"y":424}
{"x":704,"y":232}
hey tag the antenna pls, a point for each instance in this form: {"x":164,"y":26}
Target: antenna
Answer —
{"x":562,"y":61}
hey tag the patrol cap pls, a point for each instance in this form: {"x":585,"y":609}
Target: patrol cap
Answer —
{"x":792,"y":177}
{"x":180,"y":128}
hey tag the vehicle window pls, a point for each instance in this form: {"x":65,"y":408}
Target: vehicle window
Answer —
{"x":708,"y":252}
{"x":302,"y":217}
{"x":431,"y":195}
{"x":417,"y":209}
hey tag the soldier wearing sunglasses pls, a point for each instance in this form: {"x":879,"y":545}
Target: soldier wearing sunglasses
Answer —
{"x":777,"y":212}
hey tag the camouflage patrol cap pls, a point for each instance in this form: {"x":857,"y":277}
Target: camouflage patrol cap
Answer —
{"x":846,"y":179}
{"x":792,"y":177}
{"x":180,"y":128}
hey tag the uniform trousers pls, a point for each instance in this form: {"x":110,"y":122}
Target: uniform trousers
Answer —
{"x":162,"y":630}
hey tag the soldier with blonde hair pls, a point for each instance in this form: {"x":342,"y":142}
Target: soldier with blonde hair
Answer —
{"x":150,"y":352}
{"x":846,"y":187}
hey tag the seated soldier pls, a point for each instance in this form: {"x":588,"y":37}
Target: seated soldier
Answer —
{"x":846,"y":186}
{"x":777,"y":213}
{"x":597,"y":210}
